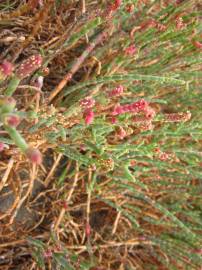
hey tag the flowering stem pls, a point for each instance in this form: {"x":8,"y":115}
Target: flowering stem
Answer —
{"x":13,"y":84}
{"x":16,"y":137}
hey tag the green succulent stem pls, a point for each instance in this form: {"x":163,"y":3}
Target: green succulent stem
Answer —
{"x":12,"y":86}
{"x":17,"y":138}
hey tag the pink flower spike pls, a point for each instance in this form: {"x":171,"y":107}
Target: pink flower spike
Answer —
{"x":34,"y":155}
{"x":6,"y":68}
{"x":28,"y":66}
{"x":88,"y":117}
{"x":131,"y":50}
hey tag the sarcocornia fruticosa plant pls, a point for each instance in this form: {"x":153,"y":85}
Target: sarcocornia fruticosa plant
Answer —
{"x":101,"y":135}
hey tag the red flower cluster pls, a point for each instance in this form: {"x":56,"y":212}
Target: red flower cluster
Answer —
{"x":135,"y":107}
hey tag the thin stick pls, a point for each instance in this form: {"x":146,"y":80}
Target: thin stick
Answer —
{"x":134,"y":242}
{"x":76,"y":65}
{"x":116,"y":222}
{"x":6,"y":174}
{"x":89,"y":197}
{"x":48,"y":178}
{"x":62,"y":212}
{"x":83,"y":6}
{"x":29,"y":190}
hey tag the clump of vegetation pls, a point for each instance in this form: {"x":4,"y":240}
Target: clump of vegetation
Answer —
{"x":100,"y":135}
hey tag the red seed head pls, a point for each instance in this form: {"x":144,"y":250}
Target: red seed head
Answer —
{"x":34,"y":155}
{"x":28,"y":66}
{"x":12,"y":120}
{"x":6,"y":68}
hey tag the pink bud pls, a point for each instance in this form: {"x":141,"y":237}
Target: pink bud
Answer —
{"x":179,"y":23}
{"x":34,"y":155}
{"x":121,"y":133}
{"x":197,"y":44}
{"x":115,"y":5}
{"x":198,"y":251}
{"x":117,"y":91}
{"x":28,"y":66}
{"x":130,"y":8}
{"x":118,"y":110}
{"x":113,"y":120}
{"x":142,"y":104}
{"x":164,"y":156}
{"x":118,"y":2}
{"x":7,"y":104}
{"x":6,"y":68}
{"x":12,"y":120}
{"x":87,"y":102}
{"x":88,"y":116}
{"x":88,"y":230}
{"x":48,"y":253}
{"x":45,"y":71}
{"x":150,"y":113}
{"x":133,"y":163}
{"x":131,"y":50}
{"x":33,"y":3}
